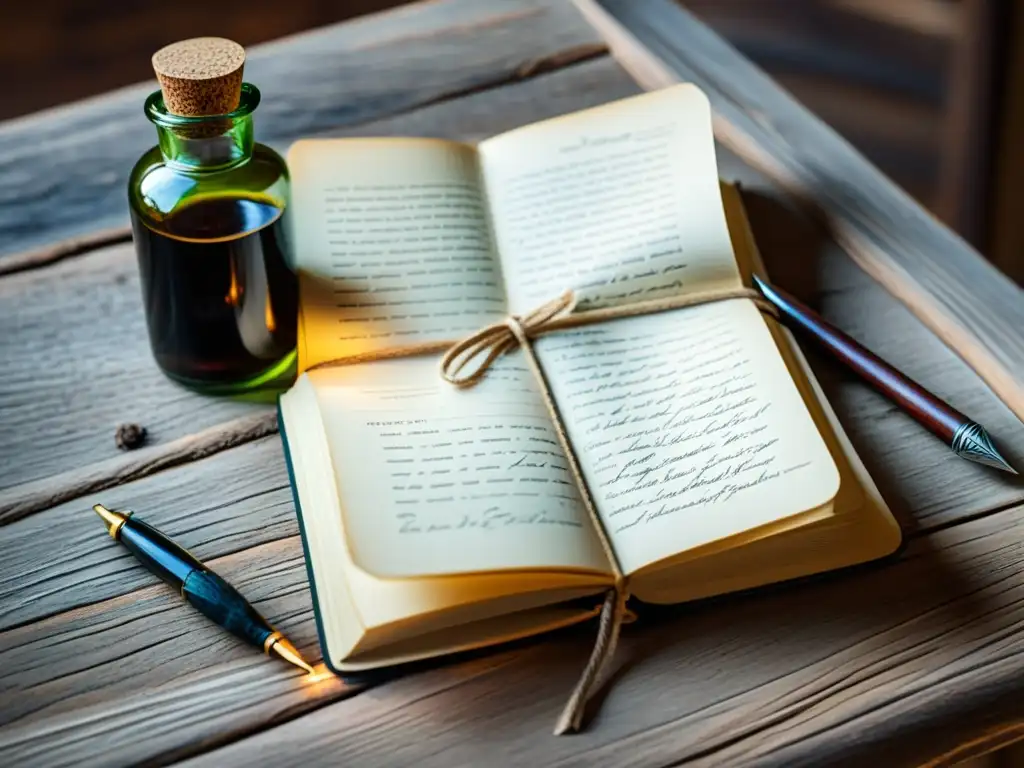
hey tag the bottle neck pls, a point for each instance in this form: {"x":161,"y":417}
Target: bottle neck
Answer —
{"x":211,"y":147}
{"x":205,"y":143}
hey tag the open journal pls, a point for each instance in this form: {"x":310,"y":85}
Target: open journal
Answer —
{"x":437,"y":519}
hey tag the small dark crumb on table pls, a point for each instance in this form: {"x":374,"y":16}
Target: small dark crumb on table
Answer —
{"x":128,"y":437}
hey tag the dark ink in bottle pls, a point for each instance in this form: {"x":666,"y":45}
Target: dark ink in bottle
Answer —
{"x":207,"y":205}
{"x":220,"y":298}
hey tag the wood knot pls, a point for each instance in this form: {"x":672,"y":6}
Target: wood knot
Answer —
{"x":128,"y":437}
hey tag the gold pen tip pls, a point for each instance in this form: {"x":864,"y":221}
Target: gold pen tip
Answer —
{"x":113,"y":520}
{"x":287,"y":651}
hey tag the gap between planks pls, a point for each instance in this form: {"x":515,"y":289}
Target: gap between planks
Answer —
{"x":37,"y":495}
{"x":809,"y":694}
{"x":21,"y":500}
{"x":79,"y":245}
{"x":72,"y":246}
{"x":888,"y":235}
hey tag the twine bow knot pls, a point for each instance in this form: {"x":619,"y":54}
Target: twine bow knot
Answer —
{"x":498,"y":338}
{"x":458,"y":368}
{"x":463,"y":366}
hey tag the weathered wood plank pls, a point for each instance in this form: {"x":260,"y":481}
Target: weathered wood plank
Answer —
{"x":61,"y":408}
{"x":967,"y":302}
{"x":77,"y":363}
{"x":68,"y":423}
{"x":232,"y":501}
{"x":898,"y":663}
{"x":840,"y":667}
{"x":144,"y":677}
{"x":926,"y":485}
{"x":479,"y":116}
{"x":63,"y":172}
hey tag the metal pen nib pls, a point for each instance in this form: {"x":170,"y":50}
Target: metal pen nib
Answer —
{"x":287,"y":651}
{"x":203,"y":589}
{"x":972,"y":442}
{"x":113,"y":520}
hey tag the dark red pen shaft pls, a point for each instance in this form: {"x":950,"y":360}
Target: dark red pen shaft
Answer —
{"x":967,"y":438}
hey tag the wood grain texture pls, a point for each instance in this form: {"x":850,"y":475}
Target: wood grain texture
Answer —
{"x":481,"y":115}
{"x":61,"y":409}
{"x":76,"y":363}
{"x":924,"y":483}
{"x":975,"y":309}
{"x":847,"y":666}
{"x":63,"y":172}
{"x":234,"y":500}
{"x":144,"y":677}
{"x":23,"y":500}
{"x":893,"y":664}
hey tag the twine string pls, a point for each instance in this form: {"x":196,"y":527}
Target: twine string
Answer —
{"x":467,"y":362}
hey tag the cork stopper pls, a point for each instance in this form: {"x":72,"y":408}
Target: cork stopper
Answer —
{"x":201,"y":76}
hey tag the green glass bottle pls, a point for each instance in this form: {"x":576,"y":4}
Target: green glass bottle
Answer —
{"x":206,"y":207}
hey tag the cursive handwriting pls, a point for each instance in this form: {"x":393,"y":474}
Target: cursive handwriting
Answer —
{"x":611,"y":197}
{"x":479,"y":471}
{"x":672,"y":414}
{"x":490,"y":519}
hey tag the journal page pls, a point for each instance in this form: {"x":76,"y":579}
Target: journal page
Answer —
{"x":689,"y":428}
{"x":619,"y":203}
{"x":435,"y":480}
{"x":391,"y":242}
{"x":687,"y":424}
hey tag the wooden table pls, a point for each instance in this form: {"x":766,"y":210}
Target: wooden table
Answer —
{"x":920,"y":658}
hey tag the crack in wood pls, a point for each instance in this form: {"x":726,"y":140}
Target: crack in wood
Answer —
{"x":901,"y":615}
{"x":73,"y":246}
{"x":22,"y":500}
{"x":925,"y":530}
{"x":528,"y":70}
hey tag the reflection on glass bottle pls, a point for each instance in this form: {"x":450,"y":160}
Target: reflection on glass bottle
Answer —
{"x":206,"y":210}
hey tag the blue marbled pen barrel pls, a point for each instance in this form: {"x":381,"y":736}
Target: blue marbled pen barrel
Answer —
{"x":207,"y":592}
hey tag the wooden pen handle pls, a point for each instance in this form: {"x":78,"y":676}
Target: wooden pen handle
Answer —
{"x":931,"y":412}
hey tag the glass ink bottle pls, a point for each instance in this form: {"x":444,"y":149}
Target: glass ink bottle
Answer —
{"x":206,"y":205}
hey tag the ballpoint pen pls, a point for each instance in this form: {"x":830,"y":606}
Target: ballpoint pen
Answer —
{"x":966,"y":438}
{"x":204,"y":589}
